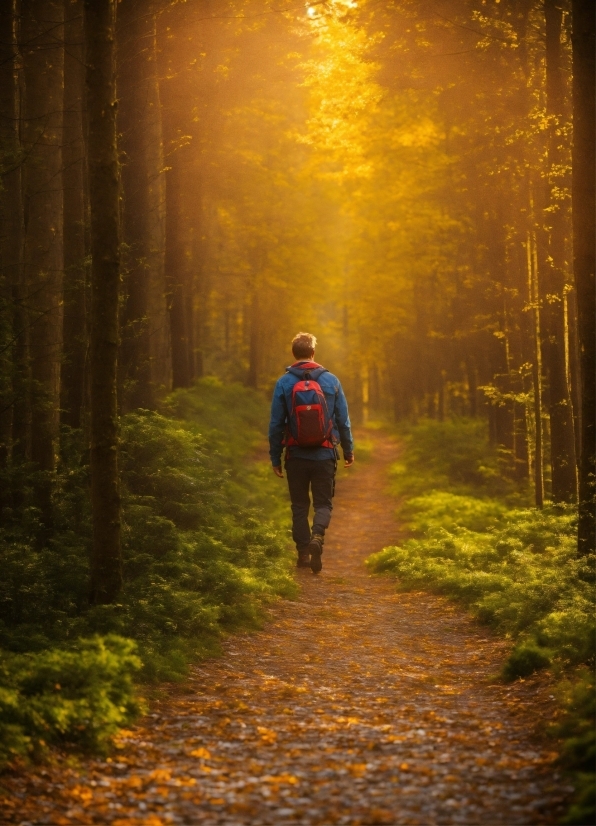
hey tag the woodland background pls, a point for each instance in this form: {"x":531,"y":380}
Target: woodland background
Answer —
{"x":185,"y":185}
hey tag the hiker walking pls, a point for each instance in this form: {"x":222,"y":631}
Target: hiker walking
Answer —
{"x":309,"y":416}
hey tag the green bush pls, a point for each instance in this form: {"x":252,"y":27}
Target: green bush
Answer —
{"x":82,"y":695}
{"x":204,"y":549}
{"x":577,"y":729}
{"x":452,"y":456}
{"x":443,"y":509}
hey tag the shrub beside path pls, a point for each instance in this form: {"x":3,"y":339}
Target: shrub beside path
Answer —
{"x":355,"y":705}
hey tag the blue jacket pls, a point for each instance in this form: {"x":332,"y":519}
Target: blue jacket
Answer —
{"x":282,"y":402}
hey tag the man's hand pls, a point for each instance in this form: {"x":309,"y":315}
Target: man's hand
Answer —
{"x":278,"y":471}
{"x":349,"y":461}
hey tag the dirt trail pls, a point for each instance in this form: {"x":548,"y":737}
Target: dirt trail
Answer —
{"x":356,"y":705}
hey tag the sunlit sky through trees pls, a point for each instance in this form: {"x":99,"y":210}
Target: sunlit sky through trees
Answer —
{"x":364,"y":171}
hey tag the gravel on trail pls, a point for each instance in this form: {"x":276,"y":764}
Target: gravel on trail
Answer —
{"x":356,"y":704}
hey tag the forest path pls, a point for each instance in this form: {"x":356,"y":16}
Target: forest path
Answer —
{"x":355,"y":705}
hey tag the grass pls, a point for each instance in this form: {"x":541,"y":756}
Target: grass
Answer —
{"x":205,"y":548}
{"x":475,"y":539}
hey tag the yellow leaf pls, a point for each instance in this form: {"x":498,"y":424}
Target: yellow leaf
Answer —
{"x":202,"y":753}
{"x":160,"y":775}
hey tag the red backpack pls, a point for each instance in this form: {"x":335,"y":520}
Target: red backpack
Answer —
{"x":309,"y":422}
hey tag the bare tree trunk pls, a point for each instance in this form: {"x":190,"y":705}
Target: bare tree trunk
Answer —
{"x":14,"y":251}
{"x":9,"y":253}
{"x":574,"y":369}
{"x":534,"y":302}
{"x":254,"y":339}
{"x":43,"y":62}
{"x":11,"y":227}
{"x":563,"y":464}
{"x":197,"y":316}
{"x":472,"y":381}
{"x":584,"y":221}
{"x":75,"y":270}
{"x":139,"y":122}
{"x":176,"y":274}
{"x":106,"y":559}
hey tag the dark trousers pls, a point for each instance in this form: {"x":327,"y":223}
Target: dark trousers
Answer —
{"x":318,"y":476}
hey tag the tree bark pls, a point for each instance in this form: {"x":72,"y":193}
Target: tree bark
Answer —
{"x":106,"y":560}
{"x":11,"y":230}
{"x":43,"y":65}
{"x":562,"y":445}
{"x":534,"y":303}
{"x":75,"y":270}
{"x":139,"y":123}
{"x":175,"y":276}
{"x":584,"y":221}
{"x":13,"y":253}
{"x":197,"y":315}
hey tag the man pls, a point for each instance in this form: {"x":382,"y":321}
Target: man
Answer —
{"x":311,"y":467}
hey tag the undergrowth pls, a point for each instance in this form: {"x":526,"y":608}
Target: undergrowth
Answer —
{"x":204,"y":546}
{"x":475,"y":538}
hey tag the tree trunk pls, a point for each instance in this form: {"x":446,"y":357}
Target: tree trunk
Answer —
{"x":11,"y":229}
{"x":254,"y":339}
{"x":75,"y":271}
{"x":199,"y":298}
{"x":534,"y":303}
{"x":13,"y":252}
{"x":574,"y":369}
{"x":472,"y":382}
{"x":563,"y":464}
{"x":139,"y":123}
{"x":374,"y":388}
{"x":106,"y":560}
{"x":43,"y":66}
{"x":584,"y":221}
{"x":10,"y":217}
{"x":176,"y":272}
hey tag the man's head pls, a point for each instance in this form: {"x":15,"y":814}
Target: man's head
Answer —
{"x":303,"y":346}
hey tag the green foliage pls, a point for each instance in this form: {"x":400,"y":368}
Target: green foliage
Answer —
{"x":231,"y":416}
{"x":443,"y":509}
{"x":515,"y":568}
{"x":82,"y":696}
{"x":578,"y":730}
{"x":203,"y":551}
{"x":453,"y":456}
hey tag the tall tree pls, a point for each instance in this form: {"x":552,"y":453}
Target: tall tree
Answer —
{"x":75,"y":270}
{"x":144,"y":320}
{"x":177,"y":276}
{"x":102,"y":151}
{"x":42,"y":38}
{"x":176,"y":107}
{"x":12,"y":325}
{"x":562,"y":439}
{"x":584,"y":222}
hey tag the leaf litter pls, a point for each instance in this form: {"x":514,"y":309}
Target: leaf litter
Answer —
{"x":356,"y":705}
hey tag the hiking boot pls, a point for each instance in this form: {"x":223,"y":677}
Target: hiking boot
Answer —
{"x":316,"y":549}
{"x":303,"y":558}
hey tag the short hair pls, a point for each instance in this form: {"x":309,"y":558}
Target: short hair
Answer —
{"x":303,"y":345}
